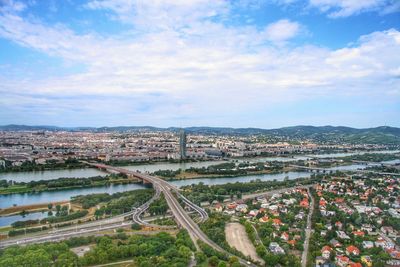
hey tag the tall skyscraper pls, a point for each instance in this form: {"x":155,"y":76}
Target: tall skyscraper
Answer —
{"x":182,"y":144}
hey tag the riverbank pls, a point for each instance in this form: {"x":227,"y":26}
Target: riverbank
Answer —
{"x":194,"y":175}
{"x":22,"y":188}
{"x":15,"y":210}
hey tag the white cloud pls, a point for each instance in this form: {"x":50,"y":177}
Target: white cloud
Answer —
{"x":12,"y":6}
{"x":346,"y":8}
{"x":160,"y":14}
{"x":201,"y":68}
{"x":282,"y":30}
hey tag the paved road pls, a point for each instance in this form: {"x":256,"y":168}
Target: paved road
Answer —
{"x":170,"y":193}
{"x":61,"y":235}
{"x":308,"y":232}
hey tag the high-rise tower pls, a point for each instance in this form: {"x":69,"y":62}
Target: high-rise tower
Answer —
{"x":182,"y":144}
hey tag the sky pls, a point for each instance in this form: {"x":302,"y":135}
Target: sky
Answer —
{"x":243,"y":63}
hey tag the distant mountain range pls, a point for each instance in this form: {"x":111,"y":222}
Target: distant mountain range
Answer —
{"x":377,"y":135}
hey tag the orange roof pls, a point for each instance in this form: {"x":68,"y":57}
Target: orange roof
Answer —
{"x":339,"y":200}
{"x":352,"y":249}
{"x":328,"y":248}
{"x":342,"y":258}
{"x":304,"y":202}
{"x":276,"y":221}
{"x":358,"y":233}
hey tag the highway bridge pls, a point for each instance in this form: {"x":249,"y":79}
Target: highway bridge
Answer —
{"x":180,"y":215}
{"x":171,"y":193}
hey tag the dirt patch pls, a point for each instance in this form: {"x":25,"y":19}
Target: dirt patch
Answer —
{"x":236,"y":237}
{"x":80,"y":251}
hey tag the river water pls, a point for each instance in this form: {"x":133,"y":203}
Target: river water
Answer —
{"x":59,"y":195}
{"x":89,"y":172}
{"x":52,"y":196}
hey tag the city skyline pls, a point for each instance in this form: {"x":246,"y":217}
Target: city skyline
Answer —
{"x":264,"y":64}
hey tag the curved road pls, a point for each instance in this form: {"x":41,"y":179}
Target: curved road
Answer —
{"x":180,"y":215}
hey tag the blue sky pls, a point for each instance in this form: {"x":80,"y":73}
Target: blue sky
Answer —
{"x":254,"y":63}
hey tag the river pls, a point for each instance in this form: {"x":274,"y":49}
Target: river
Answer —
{"x":89,"y":172}
{"x":52,"y":196}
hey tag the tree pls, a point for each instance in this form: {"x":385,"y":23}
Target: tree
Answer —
{"x":67,"y":259}
{"x":233,"y":259}
{"x":261,"y":251}
{"x":50,"y":206}
{"x":200,"y":256}
{"x":136,"y":226}
{"x":213,"y":261}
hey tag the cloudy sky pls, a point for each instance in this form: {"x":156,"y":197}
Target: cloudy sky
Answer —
{"x":240,"y":63}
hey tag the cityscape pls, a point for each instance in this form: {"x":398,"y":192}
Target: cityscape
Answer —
{"x":200,"y":133}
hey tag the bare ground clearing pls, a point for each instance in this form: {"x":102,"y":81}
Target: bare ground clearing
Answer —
{"x":236,"y":237}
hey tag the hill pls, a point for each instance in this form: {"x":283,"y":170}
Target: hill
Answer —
{"x":330,"y":134}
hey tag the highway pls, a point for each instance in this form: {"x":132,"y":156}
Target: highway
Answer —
{"x":180,"y":215}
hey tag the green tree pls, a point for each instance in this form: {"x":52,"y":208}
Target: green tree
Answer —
{"x":136,"y":226}
{"x":213,"y":261}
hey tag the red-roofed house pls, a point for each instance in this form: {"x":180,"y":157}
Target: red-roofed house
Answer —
{"x":264,"y":219}
{"x":339,"y":225}
{"x":352,"y":250}
{"x":326,"y":252}
{"x":285,"y":236}
{"x":276,"y":222}
{"x":232,"y":206}
{"x":218,"y":207}
{"x":304,"y":203}
{"x":342,"y":261}
{"x":358,"y":233}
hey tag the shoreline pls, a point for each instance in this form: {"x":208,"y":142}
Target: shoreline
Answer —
{"x":151,"y":162}
{"x":179,"y":177}
{"x":11,"y":211}
{"x":33,"y":191}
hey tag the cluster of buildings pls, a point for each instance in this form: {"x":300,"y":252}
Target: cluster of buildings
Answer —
{"x":283,"y":216}
{"x":358,"y":222}
{"x":42,"y":146}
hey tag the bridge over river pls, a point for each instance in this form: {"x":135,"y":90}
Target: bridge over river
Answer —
{"x":171,"y":193}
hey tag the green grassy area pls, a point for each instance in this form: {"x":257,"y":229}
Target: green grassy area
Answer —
{"x":5,"y":229}
{"x":87,"y":182}
{"x":14,"y":189}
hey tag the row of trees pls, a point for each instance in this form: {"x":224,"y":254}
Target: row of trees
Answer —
{"x":201,"y":192}
{"x":60,"y":183}
{"x":91,"y":200}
